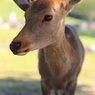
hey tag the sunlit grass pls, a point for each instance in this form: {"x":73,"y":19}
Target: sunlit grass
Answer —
{"x":8,"y":6}
{"x":72,"y":21}
{"x":8,"y":35}
{"x":19,"y":67}
{"x":15,"y":69}
{"x":87,"y":37}
{"x":88,"y":71}
{"x":26,"y":67}
{"x":87,"y":41}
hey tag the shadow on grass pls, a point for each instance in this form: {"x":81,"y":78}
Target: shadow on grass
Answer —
{"x":11,"y":86}
{"x":85,"y":90}
{"x":86,"y":33}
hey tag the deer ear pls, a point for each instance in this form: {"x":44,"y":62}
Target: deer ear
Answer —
{"x":23,"y":4}
{"x":70,"y":4}
{"x":73,"y":2}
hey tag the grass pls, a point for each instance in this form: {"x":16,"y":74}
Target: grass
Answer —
{"x":88,"y":70}
{"x":8,"y":6}
{"x":72,"y":21}
{"x":86,"y":40}
{"x":16,"y":72}
{"x":21,"y":72}
{"x":22,"y":67}
{"x":15,"y":66}
{"x":26,"y":67}
{"x":18,"y":67}
{"x":87,"y":37}
{"x":8,"y":35}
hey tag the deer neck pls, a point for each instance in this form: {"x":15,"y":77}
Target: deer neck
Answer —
{"x":57,"y":56}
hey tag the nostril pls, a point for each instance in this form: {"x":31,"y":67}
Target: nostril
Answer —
{"x":17,"y":45}
{"x":14,"y":46}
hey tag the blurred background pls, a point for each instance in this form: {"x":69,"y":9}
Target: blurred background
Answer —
{"x":19,"y":75}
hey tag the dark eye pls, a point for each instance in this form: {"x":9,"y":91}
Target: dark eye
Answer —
{"x":47,"y":18}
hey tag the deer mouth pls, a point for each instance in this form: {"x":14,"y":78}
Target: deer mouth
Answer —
{"x":16,"y":48}
{"x":21,"y":53}
{"x":27,"y":50}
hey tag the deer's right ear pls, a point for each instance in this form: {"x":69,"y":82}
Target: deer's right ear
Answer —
{"x":23,"y":4}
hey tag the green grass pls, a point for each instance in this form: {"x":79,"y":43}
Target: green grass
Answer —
{"x":8,"y":35}
{"x":88,"y":70}
{"x":22,"y":68}
{"x":87,"y":33}
{"x":19,"y":65}
{"x":87,"y":37}
{"x":8,"y":6}
{"x":72,"y":21}
{"x":86,"y":41}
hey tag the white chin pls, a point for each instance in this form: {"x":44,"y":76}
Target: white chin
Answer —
{"x":22,"y":53}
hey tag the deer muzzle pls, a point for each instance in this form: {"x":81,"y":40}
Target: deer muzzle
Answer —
{"x":15,"y":46}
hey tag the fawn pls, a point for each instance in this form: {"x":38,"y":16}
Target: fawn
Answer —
{"x":61,"y":53}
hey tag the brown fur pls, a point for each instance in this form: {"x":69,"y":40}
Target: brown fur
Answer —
{"x":61,"y":53}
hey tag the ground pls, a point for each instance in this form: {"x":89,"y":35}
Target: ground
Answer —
{"x":20,"y":76}
{"x":33,"y":88}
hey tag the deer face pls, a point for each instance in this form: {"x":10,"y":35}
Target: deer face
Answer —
{"x":43,"y":26}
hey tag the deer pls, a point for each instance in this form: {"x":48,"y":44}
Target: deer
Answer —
{"x":61,"y":52}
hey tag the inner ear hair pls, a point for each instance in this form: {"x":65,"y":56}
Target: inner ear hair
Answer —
{"x":73,"y":2}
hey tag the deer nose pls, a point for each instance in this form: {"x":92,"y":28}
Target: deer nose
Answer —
{"x":14,"y":46}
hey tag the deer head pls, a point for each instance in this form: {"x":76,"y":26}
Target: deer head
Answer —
{"x":44,"y":24}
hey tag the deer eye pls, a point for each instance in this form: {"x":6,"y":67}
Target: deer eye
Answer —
{"x":47,"y":18}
